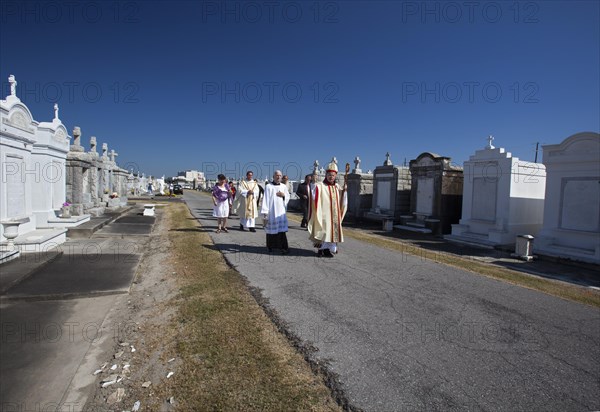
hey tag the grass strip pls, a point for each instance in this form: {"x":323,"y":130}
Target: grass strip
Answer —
{"x":231,"y":355}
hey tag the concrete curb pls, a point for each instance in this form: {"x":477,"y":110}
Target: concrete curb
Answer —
{"x":61,"y":296}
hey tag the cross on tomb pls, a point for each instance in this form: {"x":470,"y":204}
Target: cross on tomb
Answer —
{"x":388,"y":161}
{"x":13,"y":85}
{"x":357,"y":165}
{"x":76,"y":136}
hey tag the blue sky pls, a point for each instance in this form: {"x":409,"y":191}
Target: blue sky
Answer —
{"x":225,"y":86}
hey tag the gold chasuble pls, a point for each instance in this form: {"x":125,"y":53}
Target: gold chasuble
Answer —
{"x":327,"y":208}
{"x":248,"y":194}
{"x":251,"y":209}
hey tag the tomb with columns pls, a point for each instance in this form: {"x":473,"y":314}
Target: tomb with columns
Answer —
{"x":571,"y":224}
{"x":502,"y":197}
{"x":436,"y":195}
{"x":95,"y":183}
{"x":391,"y":193}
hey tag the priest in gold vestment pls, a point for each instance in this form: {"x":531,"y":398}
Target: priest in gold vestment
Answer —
{"x":327,"y":208}
{"x":247,"y":202}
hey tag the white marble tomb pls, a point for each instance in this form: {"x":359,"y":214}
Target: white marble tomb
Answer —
{"x":502,"y":197}
{"x":32,"y":174}
{"x":571,"y":226}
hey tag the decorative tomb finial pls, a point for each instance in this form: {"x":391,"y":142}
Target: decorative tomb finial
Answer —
{"x":388,"y":161}
{"x":13,"y":85}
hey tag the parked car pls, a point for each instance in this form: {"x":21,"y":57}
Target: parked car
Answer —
{"x":177,"y":190}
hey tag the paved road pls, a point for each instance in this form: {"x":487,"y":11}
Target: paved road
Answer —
{"x":405,"y":333}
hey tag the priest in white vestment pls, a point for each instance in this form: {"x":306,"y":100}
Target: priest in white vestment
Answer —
{"x":327,"y":208}
{"x":273,"y":211}
{"x":247,"y":207}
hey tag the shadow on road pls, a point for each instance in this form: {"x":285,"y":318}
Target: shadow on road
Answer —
{"x":227,"y":248}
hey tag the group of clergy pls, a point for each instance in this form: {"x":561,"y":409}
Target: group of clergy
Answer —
{"x":326,"y":204}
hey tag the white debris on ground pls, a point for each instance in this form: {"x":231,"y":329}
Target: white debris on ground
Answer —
{"x":116,"y":396}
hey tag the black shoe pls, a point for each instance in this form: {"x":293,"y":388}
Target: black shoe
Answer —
{"x":327,"y":253}
{"x":270,"y":249}
{"x":242,"y":228}
{"x":252,"y":229}
{"x":285,"y":251}
{"x":320,"y":253}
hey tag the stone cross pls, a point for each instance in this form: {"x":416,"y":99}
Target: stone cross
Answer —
{"x":316,"y":166}
{"x":387,"y":162}
{"x":93,"y":145}
{"x":357,"y":165}
{"x":56,"y":111}
{"x":104,"y":150}
{"x":112,"y":155}
{"x":13,"y":85}
{"x":489,"y":145}
{"x":76,"y":136}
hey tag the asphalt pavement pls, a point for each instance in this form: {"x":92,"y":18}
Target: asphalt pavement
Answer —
{"x":403,"y":333}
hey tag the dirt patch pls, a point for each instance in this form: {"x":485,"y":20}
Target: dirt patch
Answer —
{"x":142,"y":339}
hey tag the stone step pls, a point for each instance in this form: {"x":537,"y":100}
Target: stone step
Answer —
{"x":413,"y":228}
{"x":569,"y":250}
{"x":87,"y":229}
{"x":68,"y":221}
{"x":471,"y":239}
{"x":416,"y":224}
{"x":473,"y":235}
{"x":39,"y":240}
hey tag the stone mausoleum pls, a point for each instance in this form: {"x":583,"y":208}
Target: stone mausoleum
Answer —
{"x":571,"y":226}
{"x":436,"y":194}
{"x":391,"y":192}
{"x":502,"y":197}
